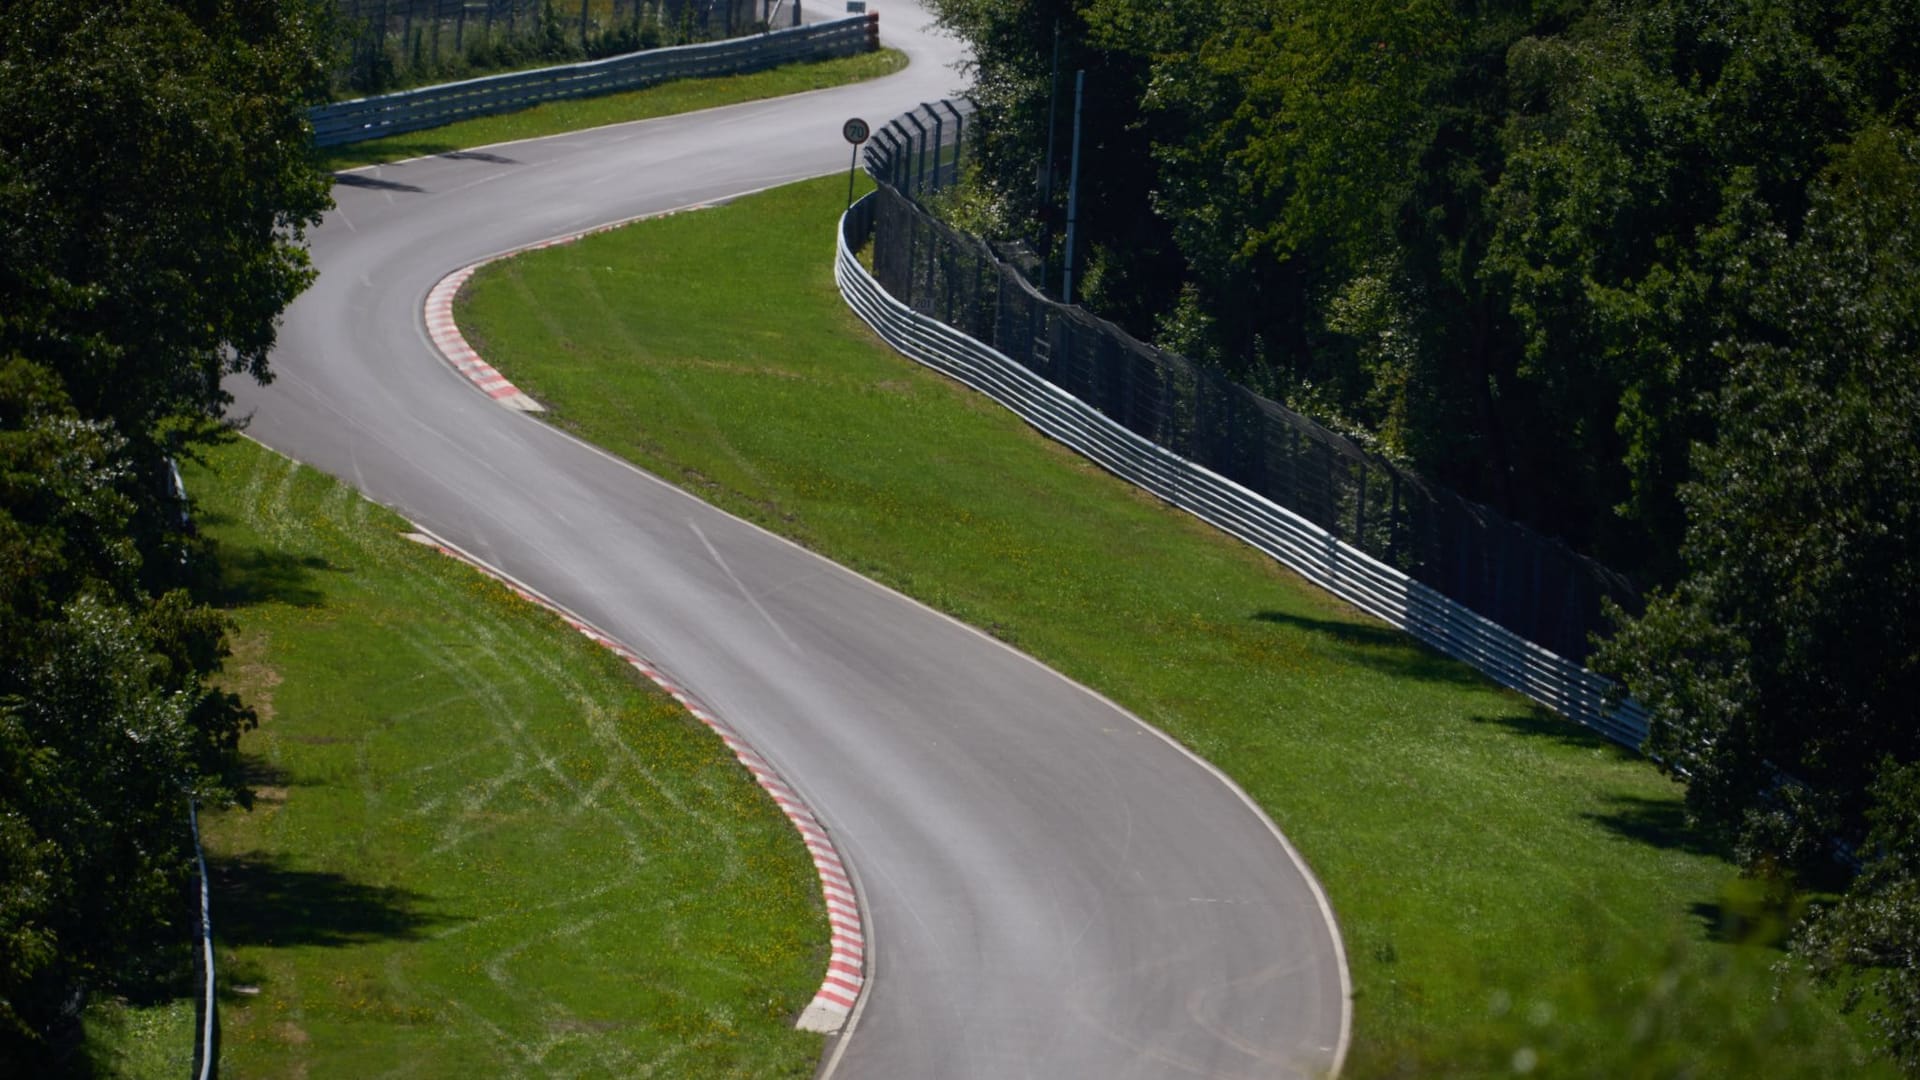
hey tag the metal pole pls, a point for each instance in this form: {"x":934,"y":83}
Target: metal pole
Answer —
{"x":917,"y":175}
{"x":1053,"y":108}
{"x":937,"y":143}
{"x":959,"y":134}
{"x":1073,"y":188}
{"x":853,"y":162}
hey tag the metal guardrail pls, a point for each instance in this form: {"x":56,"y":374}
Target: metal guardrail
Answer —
{"x":430,"y":106}
{"x":206,"y":1053}
{"x":1532,"y":584}
{"x":1309,"y":550}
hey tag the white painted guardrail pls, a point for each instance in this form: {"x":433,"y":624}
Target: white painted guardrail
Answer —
{"x":205,"y":1050}
{"x":430,"y":106}
{"x":1317,"y":555}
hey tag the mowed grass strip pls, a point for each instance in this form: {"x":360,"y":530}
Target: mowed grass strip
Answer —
{"x":1515,"y":893}
{"x":666,"y":99}
{"x":482,"y":846}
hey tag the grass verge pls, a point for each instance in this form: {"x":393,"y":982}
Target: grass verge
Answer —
{"x":481,"y":845}
{"x":555,"y":117}
{"x":140,"y":1041}
{"x":1516,"y":894}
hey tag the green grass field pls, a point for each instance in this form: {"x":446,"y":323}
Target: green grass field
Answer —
{"x":482,"y":846}
{"x":667,"y":99}
{"x":1516,"y":894}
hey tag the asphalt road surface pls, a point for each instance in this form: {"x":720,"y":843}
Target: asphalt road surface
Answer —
{"x":1052,"y":890}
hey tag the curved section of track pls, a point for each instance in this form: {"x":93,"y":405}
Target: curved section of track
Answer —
{"x":1053,"y":890}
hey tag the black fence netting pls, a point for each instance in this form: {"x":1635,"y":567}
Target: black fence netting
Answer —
{"x":1529,"y":583}
{"x":386,"y":44}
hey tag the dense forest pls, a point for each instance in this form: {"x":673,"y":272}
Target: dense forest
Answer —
{"x":155,"y":180}
{"x":1644,"y":274}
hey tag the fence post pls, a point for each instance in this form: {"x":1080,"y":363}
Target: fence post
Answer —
{"x":937,"y":143}
{"x":959,"y":135}
{"x":1393,"y":518}
{"x":916,"y":177}
{"x":1360,"y":510}
{"x":1073,"y":189}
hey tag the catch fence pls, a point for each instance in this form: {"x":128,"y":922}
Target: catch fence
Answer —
{"x":1531,"y":584}
{"x":1314,"y":552}
{"x":387,"y":42}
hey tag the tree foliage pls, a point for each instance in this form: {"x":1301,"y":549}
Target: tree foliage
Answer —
{"x":155,"y":176}
{"x":1493,"y":235}
{"x":1792,"y":643}
{"x":107,"y":725}
{"x":1785,"y":664}
{"x":1639,"y":272}
{"x":155,"y":180}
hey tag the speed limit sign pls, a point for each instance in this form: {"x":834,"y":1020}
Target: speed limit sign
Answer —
{"x":855,"y":130}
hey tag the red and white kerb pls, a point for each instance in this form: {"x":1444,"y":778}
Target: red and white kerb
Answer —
{"x":454,"y":348}
{"x":846,"y":965}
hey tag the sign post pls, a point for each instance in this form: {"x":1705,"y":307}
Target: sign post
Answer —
{"x":855,"y":131}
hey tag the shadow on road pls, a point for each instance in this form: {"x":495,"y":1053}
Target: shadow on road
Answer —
{"x":361,"y":180}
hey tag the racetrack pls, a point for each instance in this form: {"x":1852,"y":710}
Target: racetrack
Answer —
{"x":1052,"y":889}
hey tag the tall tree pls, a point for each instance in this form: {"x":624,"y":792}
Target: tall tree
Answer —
{"x":155,"y":179}
{"x":1783,"y":668}
{"x":1792,"y":644}
{"x":107,"y":725}
{"x":155,"y":182}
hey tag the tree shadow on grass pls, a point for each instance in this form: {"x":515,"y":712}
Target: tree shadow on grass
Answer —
{"x":257,"y":781}
{"x":1728,"y":924}
{"x":259,"y":900}
{"x":257,"y":575}
{"x":1756,"y":911}
{"x":1381,"y":648}
{"x":1660,"y":823}
{"x":1538,"y":722}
